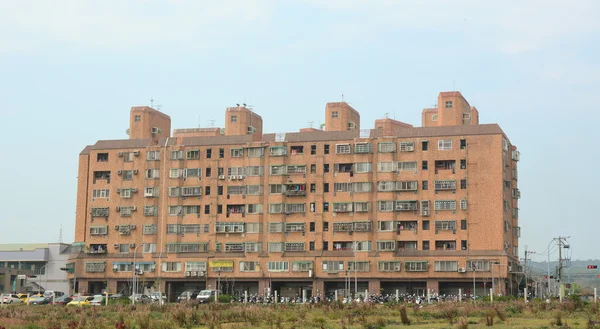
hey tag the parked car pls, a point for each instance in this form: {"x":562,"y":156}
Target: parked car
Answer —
{"x":97,"y":301}
{"x":206,"y":296}
{"x":116,"y":296}
{"x":141,"y":299}
{"x":81,"y":301}
{"x":12,"y":299}
{"x":40,"y":300}
{"x":157,"y":296}
{"x":32,"y":297}
{"x":64,"y":300}
{"x":48,"y":293}
{"x":189,"y":295}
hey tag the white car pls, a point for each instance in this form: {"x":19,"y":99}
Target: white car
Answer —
{"x":97,"y":301}
{"x":141,"y":299}
{"x":12,"y":299}
{"x":157,"y":296}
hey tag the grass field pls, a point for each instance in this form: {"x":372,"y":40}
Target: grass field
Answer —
{"x":509,"y":314}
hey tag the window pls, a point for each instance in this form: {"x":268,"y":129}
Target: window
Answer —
{"x":153,"y":155}
{"x":386,"y":245}
{"x":208,"y":172}
{"x":237,"y":153}
{"x":276,"y":188}
{"x":278,"y":170}
{"x":256,"y":152}
{"x":326,"y":167}
{"x":275,"y":227}
{"x":171,"y":266}
{"x":444,"y":185}
{"x":313,"y":149}
{"x":325,"y":245}
{"x":425,"y":245}
{"x":254,"y":189}
{"x":150,"y":229}
{"x":102,"y":157}
{"x":358,"y":266}
{"x":363,"y":167}
{"x":128,"y":174}
{"x":295,"y":208}
{"x":325,"y":226}
{"x":313,"y":168}
{"x":463,"y":244}
{"x":208,"y":153}
{"x":151,"y":192}
{"x":425,"y":185}
{"x":152,"y":173}
{"x":183,"y":228}
{"x":385,"y":206}
{"x":425,"y":225}
{"x":254,"y":171}
{"x":98,"y":267}
{"x":388,"y":266}
{"x":386,"y":147}
{"x":415,"y":266}
{"x":150,"y":210}
{"x":434,"y":117}
{"x":334,"y":114}
{"x":275,"y":247}
{"x":445,"y":145}
{"x":363,"y":148}
{"x":424,"y":165}
{"x":342,"y":149}
{"x":445,"y":266}
{"x":463,"y":184}
{"x":100,"y":194}
{"x":148,"y":247}
{"x":252,"y":246}
{"x":332,"y":266}
{"x":424,"y":145}
{"x":362,"y":206}
{"x":445,"y":205}
{"x":253,"y":228}
{"x":184,"y":210}
{"x":342,"y":207}
{"x":276,"y":208}
{"x":326,"y":149}
{"x":207,"y":190}
{"x":448,"y":104}
{"x":463,"y":164}
{"x":463,"y":224}
{"x":297,"y":150}
{"x":445,"y":225}
{"x":407,"y":146}
{"x":387,"y":166}
{"x":249,"y":266}
{"x":99,"y":212}
{"x":193,"y":154}
{"x":137,"y":118}
{"x":124,"y":247}
{"x":278,"y":266}
{"x":128,"y":156}
{"x":325,"y":206}
{"x":463,"y":144}
{"x":221,"y":153}
{"x":311,"y":246}
{"x":233,"y":118}
{"x":325,"y":187}
{"x":195,"y":266}
{"x":294,"y":246}
{"x":296,"y":169}
{"x":99,"y":230}
{"x":387,"y":225}
{"x":277,"y":151}
{"x":176,"y":155}
{"x":186,"y":247}
{"x":235,"y":171}
{"x":478,"y":265}
{"x":302,"y":266}
{"x":386,"y":186}
{"x":122,"y":266}
{"x":406,"y":185}
{"x":175,"y":173}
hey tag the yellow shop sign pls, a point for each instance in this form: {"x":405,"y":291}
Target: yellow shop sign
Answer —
{"x":220,"y":263}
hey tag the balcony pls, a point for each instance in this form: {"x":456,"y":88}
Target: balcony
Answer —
{"x":444,"y":185}
{"x":344,"y":167}
{"x":236,"y":209}
{"x":295,"y":190}
{"x":297,"y":150}
{"x":445,"y":166}
{"x":445,"y":245}
{"x":406,"y":206}
{"x":95,"y":249}
{"x":102,"y":175}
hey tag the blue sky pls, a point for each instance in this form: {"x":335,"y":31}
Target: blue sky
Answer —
{"x":70,"y":71}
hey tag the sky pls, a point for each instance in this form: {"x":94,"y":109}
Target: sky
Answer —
{"x":71,"y":70}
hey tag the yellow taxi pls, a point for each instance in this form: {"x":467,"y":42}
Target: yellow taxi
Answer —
{"x":81,"y":301}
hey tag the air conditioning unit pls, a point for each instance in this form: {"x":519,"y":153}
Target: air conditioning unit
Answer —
{"x":116,"y":228}
{"x":116,"y":245}
{"x":134,"y":190}
{"x":240,"y":177}
{"x":118,"y":191}
{"x":118,"y":208}
{"x":155,"y":130}
{"x":462,"y":270}
{"x":136,"y":153}
{"x":424,"y":212}
{"x":132,"y":227}
{"x":132,"y":245}
{"x":119,"y":172}
{"x":410,"y":148}
{"x":221,"y":177}
{"x":120,"y":154}
{"x":140,"y":272}
{"x":397,"y":268}
{"x":251,"y":129}
{"x":114,"y":269}
{"x":510,"y":268}
{"x":351,"y":125}
{"x":188,"y":273}
{"x":148,"y":194}
{"x":134,"y":208}
{"x":232,"y":177}
{"x":135,"y":171}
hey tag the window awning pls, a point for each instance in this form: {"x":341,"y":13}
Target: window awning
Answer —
{"x":122,"y":263}
{"x":144,"y":263}
{"x":78,"y":244}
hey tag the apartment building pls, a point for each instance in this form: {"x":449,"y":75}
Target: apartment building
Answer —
{"x":392,"y":208}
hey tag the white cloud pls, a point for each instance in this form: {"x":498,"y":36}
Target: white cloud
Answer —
{"x":125,"y":24}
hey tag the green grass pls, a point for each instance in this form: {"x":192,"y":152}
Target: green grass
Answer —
{"x":508,"y":314}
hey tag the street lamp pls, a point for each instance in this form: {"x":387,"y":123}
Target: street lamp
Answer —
{"x":134,"y":270}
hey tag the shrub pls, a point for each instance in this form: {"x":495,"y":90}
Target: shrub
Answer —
{"x":489,"y":317}
{"x":462,"y":323}
{"x":404,"y":316}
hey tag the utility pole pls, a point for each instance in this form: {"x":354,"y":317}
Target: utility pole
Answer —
{"x":527,"y":253}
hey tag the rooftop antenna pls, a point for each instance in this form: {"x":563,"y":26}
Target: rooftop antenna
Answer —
{"x":152,"y":102}
{"x":387,"y":115}
{"x":310,"y":124}
{"x":60,"y":238}
{"x":342,"y":98}
{"x":198,"y":120}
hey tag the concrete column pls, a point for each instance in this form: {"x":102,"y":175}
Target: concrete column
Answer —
{"x":112,"y":286}
{"x":262,"y":286}
{"x":374,"y":286}
{"x":319,"y":287}
{"x":459,"y":295}
{"x":433,"y":286}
